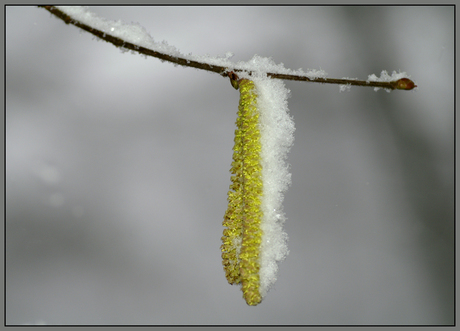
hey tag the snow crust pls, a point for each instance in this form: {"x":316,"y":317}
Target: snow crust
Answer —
{"x":136,"y":34}
{"x":277,"y":137}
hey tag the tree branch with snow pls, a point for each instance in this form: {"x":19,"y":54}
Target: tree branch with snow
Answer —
{"x":133,"y":37}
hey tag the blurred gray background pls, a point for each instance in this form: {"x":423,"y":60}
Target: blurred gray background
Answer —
{"x":118,"y":169}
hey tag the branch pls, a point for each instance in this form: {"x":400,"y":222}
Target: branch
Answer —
{"x":400,"y":84}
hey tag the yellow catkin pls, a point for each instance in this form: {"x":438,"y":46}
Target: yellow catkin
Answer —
{"x":242,"y":238}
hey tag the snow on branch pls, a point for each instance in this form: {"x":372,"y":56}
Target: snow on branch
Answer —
{"x":135,"y":38}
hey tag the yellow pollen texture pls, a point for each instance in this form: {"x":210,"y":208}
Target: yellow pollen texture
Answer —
{"x":242,"y":237}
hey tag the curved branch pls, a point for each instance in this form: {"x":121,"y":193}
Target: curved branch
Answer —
{"x":401,"y":84}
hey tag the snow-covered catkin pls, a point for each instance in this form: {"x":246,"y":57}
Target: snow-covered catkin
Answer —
{"x":254,"y":241}
{"x":243,"y":236}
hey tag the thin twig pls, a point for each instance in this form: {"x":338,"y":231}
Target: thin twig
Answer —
{"x":401,"y":84}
